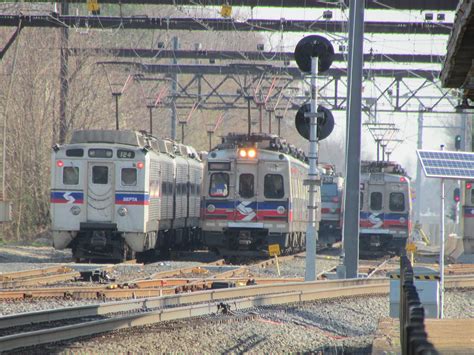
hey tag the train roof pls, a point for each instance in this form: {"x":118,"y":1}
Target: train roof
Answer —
{"x":390,"y":167}
{"x":264,"y":141}
{"x":133,"y":138}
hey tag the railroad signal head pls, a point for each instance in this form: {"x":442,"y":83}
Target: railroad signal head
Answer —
{"x":314,"y":46}
{"x":325,"y":123}
{"x":457,"y":142}
{"x":457,"y":195}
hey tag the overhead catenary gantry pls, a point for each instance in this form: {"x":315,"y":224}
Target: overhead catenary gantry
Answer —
{"x":444,"y":5}
{"x":218,"y":24}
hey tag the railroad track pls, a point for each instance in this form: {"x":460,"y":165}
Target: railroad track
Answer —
{"x":153,"y":310}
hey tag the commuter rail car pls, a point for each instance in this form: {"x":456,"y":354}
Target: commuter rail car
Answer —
{"x":117,"y":193}
{"x":385,"y":207}
{"x":332,"y":187}
{"x":253,"y":196}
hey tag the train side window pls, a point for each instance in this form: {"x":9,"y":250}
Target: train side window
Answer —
{"x":376,"y":201}
{"x":129,"y":177}
{"x":246,"y":185}
{"x":397,"y":201}
{"x":273,"y":186}
{"x":219,"y":186}
{"x":70,"y":175}
{"x":100,"y":175}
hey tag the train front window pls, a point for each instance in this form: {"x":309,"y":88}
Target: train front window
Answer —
{"x":328,"y":192}
{"x":246,"y":185}
{"x":129,"y":177}
{"x":376,"y":201}
{"x":273,"y":186}
{"x":397,"y":201}
{"x":100,"y":174}
{"x":70,"y":175}
{"x":219,"y":186}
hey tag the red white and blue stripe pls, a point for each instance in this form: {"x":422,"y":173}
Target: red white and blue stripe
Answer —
{"x":71,"y":197}
{"x":246,"y":211}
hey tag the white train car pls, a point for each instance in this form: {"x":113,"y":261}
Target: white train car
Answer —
{"x":253,"y":196}
{"x":113,"y":194}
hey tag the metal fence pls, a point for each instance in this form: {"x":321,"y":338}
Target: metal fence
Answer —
{"x":413,"y":337}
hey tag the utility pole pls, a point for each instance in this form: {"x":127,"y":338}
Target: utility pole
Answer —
{"x":182,"y":123}
{"x":150,"y":108}
{"x":353,"y":138}
{"x":63,"y":76}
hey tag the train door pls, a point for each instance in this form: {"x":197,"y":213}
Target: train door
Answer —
{"x":375,"y":199}
{"x":100,"y":192}
{"x":245,"y":203}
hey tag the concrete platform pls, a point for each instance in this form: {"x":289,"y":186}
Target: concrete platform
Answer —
{"x":449,"y":336}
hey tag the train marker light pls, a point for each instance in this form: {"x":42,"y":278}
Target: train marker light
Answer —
{"x":60,"y":163}
{"x":457,"y":194}
{"x":468,"y":185}
{"x":251,"y":153}
{"x":140,"y":165}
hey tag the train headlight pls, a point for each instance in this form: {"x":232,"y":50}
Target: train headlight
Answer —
{"x":402,"y":220}
{"x":122,"y":211}
{"x":242,"y":153}
{"x":211,"y":208}
{"x":281,"y":210}
{"x":75,"y":210}
{"x":252,"y":153}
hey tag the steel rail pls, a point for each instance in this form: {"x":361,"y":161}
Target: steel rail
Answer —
{"x":10,"y":276}
{"x":200,"y":296}
{"x":177,"y":300}
{"x":42,"y":280}
{"x":21,"y":340}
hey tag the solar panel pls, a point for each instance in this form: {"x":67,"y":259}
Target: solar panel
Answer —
{"x":446,"y":164}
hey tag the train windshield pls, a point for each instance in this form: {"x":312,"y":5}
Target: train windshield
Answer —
{"x":328,"y":192}
{"x":246,"y":185}
{"x":70,"y":175}
{"x":219,"y":186}
{"x":397,"y":201}
{"x":273,"y":186}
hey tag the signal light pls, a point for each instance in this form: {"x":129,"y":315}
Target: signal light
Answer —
{"x":457,"y":142}
{"x":468,"y":185}
{"x":60,"y":163}
{"x":457,"y":194}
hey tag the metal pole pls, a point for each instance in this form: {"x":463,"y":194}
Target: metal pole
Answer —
{"x":64,"y":84}
{"x":353,"y":139}
{"x":260,"y":117}
{"x":418,"y":167}
{"x":116,"y":95}
{"x":313,"y":180}
{"x":174,"y":89}
{"x":182,"y":131}
{"x":441,"y":254}
{"x":249,"y":123}
{"x":270,"y":121}
{"x":209,"y":133}
{"x":279,"y":117}
{"x":150,"y":107}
